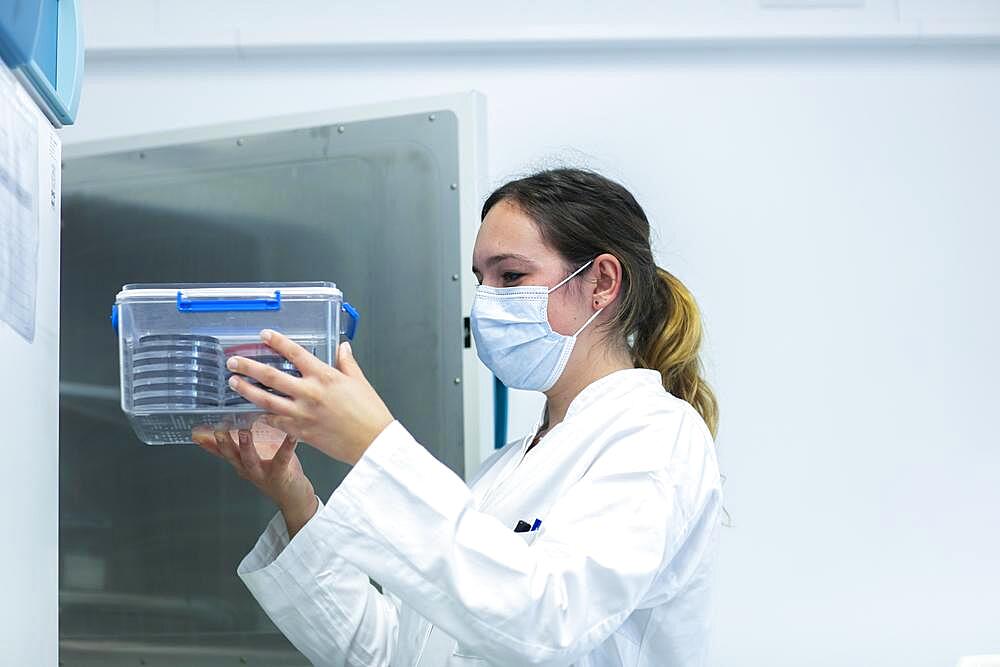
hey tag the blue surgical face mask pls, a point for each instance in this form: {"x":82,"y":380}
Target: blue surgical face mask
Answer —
{"x":514,"y":338}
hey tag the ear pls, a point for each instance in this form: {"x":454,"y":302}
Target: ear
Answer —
{"x":607,"y":278}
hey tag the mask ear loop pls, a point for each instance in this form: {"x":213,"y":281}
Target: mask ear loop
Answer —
{"x":570,"y":277}
{"x":587,"y":323}
{"x":566,"y":280}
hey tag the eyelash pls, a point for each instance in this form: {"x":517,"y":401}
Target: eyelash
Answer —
{"x":508,"y":277}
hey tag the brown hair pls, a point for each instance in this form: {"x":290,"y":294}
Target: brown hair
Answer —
{"x":582,"y":214}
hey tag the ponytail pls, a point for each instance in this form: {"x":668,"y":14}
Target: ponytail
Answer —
{"x":670,"y":344}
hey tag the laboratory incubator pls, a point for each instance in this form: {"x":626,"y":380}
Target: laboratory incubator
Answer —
{"x":217,"y":232}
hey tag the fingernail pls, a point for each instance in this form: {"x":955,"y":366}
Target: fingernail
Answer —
{"x":347,"y":346}
{"x":233,"y":382}
{"x":232,"y":364}
{"x":265,"y":335}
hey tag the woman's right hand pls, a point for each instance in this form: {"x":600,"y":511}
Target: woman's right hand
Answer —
{"x":278,"y":473}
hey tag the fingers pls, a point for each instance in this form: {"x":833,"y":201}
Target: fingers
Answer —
{"x":249,"y":456}
{"x":268,"y":375}
{"x":229,"y":451}
{"x":295,"y":353}
{"x":284,"y":424}
{"x":285,"y":452}
{"x":272,"y":403}
{"x":346,"y":363}
{"x":205,"y":438}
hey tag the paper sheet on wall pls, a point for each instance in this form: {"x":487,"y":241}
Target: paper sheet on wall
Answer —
{"x":18,"y":209}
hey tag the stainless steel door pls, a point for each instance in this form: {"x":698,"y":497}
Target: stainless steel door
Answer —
{"x":150,"y":536}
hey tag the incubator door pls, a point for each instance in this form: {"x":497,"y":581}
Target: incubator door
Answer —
{"x":382,"y":201}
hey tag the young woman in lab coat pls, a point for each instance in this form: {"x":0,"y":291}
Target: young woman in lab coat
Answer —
{"x":588,"y":542}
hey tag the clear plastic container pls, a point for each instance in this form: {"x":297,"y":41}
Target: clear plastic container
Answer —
{"x":174,"y":340}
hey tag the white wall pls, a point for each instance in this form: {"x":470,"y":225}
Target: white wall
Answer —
{"x":833,"y":204}
{"x":143,"y":25}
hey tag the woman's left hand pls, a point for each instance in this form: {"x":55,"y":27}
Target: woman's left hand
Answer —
{"x":333,"y":409}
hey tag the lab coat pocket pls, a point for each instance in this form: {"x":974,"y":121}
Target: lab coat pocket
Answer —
{"x":462,"y":657}
{"x":529,"y":536}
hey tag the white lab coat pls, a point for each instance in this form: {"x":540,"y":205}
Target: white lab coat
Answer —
{"x":628,"y":492}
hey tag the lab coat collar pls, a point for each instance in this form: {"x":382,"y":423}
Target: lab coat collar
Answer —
{"x":608,"y":386}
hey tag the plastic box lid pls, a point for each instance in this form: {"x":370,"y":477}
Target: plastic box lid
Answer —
{"x":171,"y":291}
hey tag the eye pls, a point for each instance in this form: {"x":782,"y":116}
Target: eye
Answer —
{"x":511,"y":276}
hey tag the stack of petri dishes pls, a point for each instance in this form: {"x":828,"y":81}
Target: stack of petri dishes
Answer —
{"x":175,"y":371}
{"x":262,"y":354}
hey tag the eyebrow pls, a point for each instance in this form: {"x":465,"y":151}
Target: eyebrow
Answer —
{"x":496,"y":259}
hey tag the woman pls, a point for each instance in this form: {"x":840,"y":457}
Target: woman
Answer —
{"x":588,"y":542}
